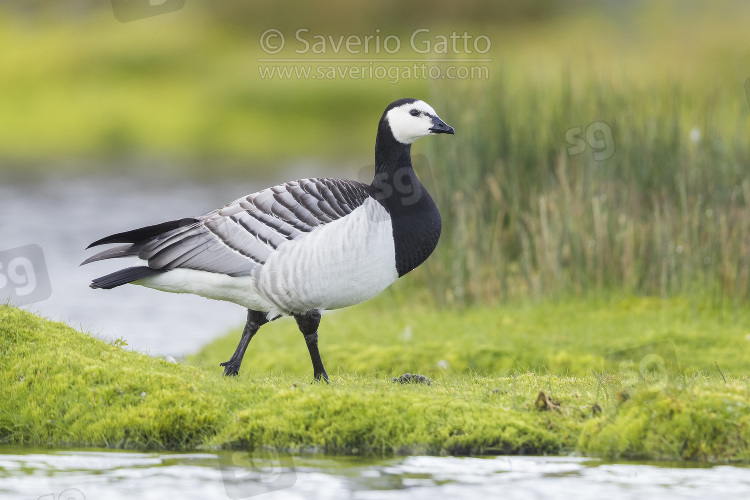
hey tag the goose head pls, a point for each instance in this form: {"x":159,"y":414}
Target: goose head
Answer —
{"x":410,"y":119}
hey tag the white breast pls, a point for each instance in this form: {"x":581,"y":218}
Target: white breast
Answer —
{"x":342,"y":263}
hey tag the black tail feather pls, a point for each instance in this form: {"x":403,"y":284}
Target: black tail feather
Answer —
{"x":124,"y":276}
{"x":144,"y":233}
{"x":126,"y":250}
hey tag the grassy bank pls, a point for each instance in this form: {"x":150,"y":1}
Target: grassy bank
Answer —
{"x":187,"y":88}
{"x":615,"y":391}
{"x":566,"y":337}
{"x":182,"y":91}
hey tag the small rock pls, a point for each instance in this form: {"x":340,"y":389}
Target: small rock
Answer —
{"x":544,"y":403}
{"x":412,"y":378}
{"x":143,"y":394}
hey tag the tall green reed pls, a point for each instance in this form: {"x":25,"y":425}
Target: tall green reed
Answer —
{"x":662,"y":209}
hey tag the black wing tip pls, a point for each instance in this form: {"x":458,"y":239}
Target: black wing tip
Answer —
{"x":99,"y":242}
{"x":144,"y":233}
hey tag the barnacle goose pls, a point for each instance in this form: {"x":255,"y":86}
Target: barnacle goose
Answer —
{"x":298,"y":248}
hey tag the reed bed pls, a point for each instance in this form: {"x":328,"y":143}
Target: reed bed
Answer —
{"x":585,"y":184}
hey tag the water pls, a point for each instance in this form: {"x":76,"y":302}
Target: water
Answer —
{"x":89,"y":475}
{"x":65,"y":216}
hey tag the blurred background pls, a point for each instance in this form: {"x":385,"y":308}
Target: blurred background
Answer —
{"x":600,"y":147}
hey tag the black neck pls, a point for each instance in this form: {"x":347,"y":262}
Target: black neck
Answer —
{"x":390,"y":155}
{"x":395,"y":184}
{"x":414,"y":217}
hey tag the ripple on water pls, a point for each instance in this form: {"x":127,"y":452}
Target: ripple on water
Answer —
{"x":115,"y":475}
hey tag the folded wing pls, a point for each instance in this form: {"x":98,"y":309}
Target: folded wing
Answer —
{"x":241,"y":236}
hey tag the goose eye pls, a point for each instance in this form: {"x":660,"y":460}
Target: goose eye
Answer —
{"x":414,"y":112}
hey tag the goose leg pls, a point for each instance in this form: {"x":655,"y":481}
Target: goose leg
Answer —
{"x":308,"y":325}
{"x":255,"y":319}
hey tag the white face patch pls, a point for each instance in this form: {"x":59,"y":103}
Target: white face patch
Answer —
{"x":407,"y":128}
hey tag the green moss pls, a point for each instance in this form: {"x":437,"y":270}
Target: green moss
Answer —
{"x":63,"y":387}
{"x":703,"y":421}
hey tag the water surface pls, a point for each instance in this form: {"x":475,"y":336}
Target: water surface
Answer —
{"x":63,"y":216}
{"x":112,"y":475}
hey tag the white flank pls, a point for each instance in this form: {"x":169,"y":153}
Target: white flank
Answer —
{"x":342,"y":263}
